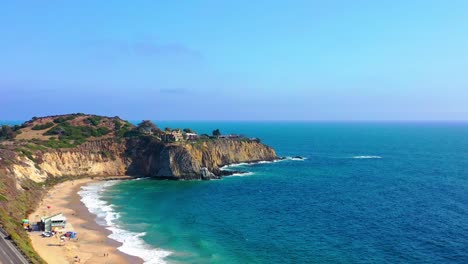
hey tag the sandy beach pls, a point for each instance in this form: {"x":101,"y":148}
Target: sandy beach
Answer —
{"x":92,"y":245}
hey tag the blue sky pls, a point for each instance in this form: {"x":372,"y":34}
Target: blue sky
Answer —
{"x":235,"y":60}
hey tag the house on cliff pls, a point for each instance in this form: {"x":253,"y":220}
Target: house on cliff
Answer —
{"x":171,"y":136}
{"x":191,"y":136}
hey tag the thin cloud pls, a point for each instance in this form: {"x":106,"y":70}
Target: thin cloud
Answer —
{"x":172,"y":49}
{"x":173,"y":91}
{"x":143,"y":48}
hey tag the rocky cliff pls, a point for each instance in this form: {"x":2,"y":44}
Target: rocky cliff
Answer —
{"x":93,"y":158}
{"x":194,"y":160}
{"x":139,"y":157}
{"x":87,"y":145}
{"x":46,"y":150}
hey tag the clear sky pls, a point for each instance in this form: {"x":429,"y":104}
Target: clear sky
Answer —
{"x":236,"y":60}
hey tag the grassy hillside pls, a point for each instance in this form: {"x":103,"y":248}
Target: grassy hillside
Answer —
{"x":19,"y":197}
{"x":67,"y":131}
{"x":16,"y":205}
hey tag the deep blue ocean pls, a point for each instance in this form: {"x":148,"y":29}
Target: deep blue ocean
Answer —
{"x":365,"y":193}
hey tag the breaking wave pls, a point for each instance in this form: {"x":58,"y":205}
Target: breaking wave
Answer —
{"x":366,"y":157}
{"x":132,"y":243}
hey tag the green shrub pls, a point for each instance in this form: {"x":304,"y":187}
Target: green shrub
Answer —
{"x":35,"y":147}
{"x":7,"y":132}
{"x":102,"y":131}
{"x":19,"y":205}
{"x":42,"y":127}
{"x":62,"y":119}
{"x":105,"y":153}
{"x":117,"y":124}
{"x":55,"y":144}
{"x":26,"y":153}
{"x":131,"y":133}
{"x":71,"y":136}
{"x":94,"y":120}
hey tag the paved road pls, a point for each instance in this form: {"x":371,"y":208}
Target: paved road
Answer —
{"x":9,"y":254}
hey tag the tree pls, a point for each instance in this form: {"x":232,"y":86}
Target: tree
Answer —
{"x":7,"y":132}
{"x":188,"y":130}
{"x":167,"y":129}
{"x":216,"y":133}
{"x":146,"y":126}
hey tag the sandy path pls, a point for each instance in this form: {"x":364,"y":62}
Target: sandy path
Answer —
{"x":92,"y":242}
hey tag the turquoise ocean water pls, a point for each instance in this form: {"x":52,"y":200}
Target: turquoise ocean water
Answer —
{"x":366,"y":193}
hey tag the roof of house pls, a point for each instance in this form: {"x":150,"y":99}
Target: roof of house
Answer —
{"x":55,"y":217}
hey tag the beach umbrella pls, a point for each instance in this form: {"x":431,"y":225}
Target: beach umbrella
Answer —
{"x":48,"y":207}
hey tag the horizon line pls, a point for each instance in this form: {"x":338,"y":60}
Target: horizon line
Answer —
{"x":284,"y":120}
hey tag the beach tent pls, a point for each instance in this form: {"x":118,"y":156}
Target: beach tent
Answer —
{"x":70,"y":234}
{"x":25,"y":223}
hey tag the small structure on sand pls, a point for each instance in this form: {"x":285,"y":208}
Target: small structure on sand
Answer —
{"x":53,"y":223}
{"x":25,"y":223}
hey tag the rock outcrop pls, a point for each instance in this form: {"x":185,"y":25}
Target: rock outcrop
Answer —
{"x":140,"y":157}
{"x":89,"y":145}
{"x":93,"y":158}
{"x":194,"y":160}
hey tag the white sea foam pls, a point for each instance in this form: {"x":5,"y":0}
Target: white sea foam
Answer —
{"x":366,"y":157}
{"x":142,"y":178}
{"x":242,"y":174}
{"x":261,"y":162}
{"x":233,"y":165}
{"x":295,"y":158}
{"x":132,"y":243}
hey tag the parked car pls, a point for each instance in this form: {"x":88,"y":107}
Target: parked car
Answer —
{"x":46,"y":234}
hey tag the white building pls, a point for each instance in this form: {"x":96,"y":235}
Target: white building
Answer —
{"x":55,"y":222}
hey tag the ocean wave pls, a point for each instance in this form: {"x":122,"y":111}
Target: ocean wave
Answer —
{"x":241,"y":164}
{"x":294,"y":158}
{"x":366,"y":157}
{"x":142,"y":178}
{"x":132,"y":243}
{"x":241,"y":174}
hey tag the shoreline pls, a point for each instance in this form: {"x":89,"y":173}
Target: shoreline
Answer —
{"x":93,"y":244}
{"x":93,"y":239}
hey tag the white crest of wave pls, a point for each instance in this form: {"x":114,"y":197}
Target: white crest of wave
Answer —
{"x":142,"y":178}
{"x":295,"y":158}
{"x":132,"y":243}
{"x":366,"y":157}
{"x":234,"y":165}
{"x":242,"y":174}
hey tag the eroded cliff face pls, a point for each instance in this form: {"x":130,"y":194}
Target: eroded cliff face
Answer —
{"x":140,"y":157}
{"x":94,"y":158}
{"x":195,"y":160}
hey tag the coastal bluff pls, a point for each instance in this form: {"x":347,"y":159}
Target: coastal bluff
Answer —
{"x":44,"y":151}
{"x":201,"y":160}
{"x":88,"y":145}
